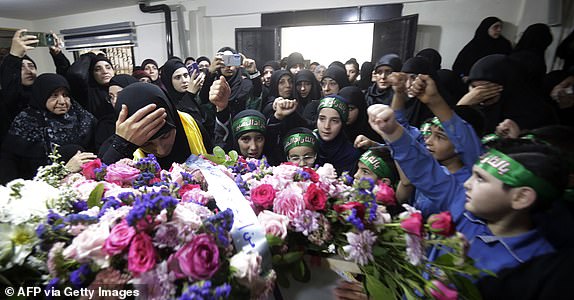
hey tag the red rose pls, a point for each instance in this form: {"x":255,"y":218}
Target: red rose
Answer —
{"x":359,"y":207}
{"x":89,"y":167}
{"x":315,"y":198}
{"x":314,"y":176}
{"x":413,"y":224}
{"x":119,"y":238}
{"x":188,"y":187}
{"x":441,"y":224}
{"x":263,"y":195}
{"x":386,"y":195}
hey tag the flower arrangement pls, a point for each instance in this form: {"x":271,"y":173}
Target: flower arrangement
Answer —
{"x":136,"y":226}
{"x":313,"y":211}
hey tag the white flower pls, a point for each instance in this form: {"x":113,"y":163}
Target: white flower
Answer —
{"x":16,"y":243}
{"x":27,"y":200}
{"x":415,"y":249}
{"x":247,"y":267}
{"x":112,"y":215}
{"x":327,"y":171}
{"x":409,"y":210}
{"x":360,"y":247}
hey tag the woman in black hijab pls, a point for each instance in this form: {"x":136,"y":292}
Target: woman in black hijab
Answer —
{"x":487,"y":40}
{"x":306,"y":89}
{"x":160,"y":130}
{"x":52,"y":118}
{"x":281,"y":86}
{"x":152,"y":68}
{"x":515,"y":99}
{"x":357,"y":121}
{"x":415,"y":111}
{"x":174,"y":73}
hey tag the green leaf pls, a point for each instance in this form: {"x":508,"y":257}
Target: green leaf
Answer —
{"x":233,"y":155}
{"x":219,"y":152}
{"x":408,"y":292}
{"x":301,"y":271}
{"x":277,"y":259}
{"x":273,"y":240}
{"x":95,"y":198}
{"x":377,"y":290}
{"x":466,"y":289}
{"x":292,"y":257}
{"x":379,"y":251}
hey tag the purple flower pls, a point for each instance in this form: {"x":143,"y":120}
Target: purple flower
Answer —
{"x":167,"y":236}
{"x":307,"y":222}
{"x":415,"y":249}
{"x":108,"y":202}
{"x":354,"y":219}
{"x":79,"y":276}
{"x":52,"y":285}
{"x":360,"y":246}
{"x":203,"y":290}
{"x":79,"y":206}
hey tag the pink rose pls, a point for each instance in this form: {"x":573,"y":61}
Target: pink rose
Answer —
{"x":119,"y":238}
{"x":289,"y":202}
{"x":440,"y":291}
{"x":121,"y":174}
{"x":142,"y":256}
{"x":263,"y":195}
{"x":385,"y":195}
{"x":198,"y":259}
{"x":87,"y":246}
{"x":441,"y":224}
{"x":274,"y":224}
{"x":315,"y":198}
{"x":89,"y":168}
{"x":413,"y":224}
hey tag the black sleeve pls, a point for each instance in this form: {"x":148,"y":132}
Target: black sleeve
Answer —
{"x":78,"y":76}
{"x":11,"y":83}
{"x":61,"y":62}
{"x":118,"y":148}
{"x":223,"y":136}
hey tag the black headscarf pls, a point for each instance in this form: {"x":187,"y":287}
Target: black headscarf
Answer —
{"x":293,"y":59}
{"x":140,"y":94}
{"x":98,"y":103}
{"x":314,"y":94}
{"x":517,"y":101}
{"x":480,"y":46}
{"x":338,"y":74}
{"x":122,"y":80}
{"x":355,"y":97}
{"x":167,"y":71}
{"x":432,"y":56}
{"x":274,"y":91}
{"x":366,"y":75}
{"x":415,"y":111}
{"x":153,"y":62}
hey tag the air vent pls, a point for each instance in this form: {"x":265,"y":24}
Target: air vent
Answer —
{"x":101,"y":36}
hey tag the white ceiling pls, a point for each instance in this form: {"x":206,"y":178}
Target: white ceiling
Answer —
{"x":43,"y":9}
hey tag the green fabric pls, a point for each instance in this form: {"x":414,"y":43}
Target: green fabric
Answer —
{"x":376,"y":164}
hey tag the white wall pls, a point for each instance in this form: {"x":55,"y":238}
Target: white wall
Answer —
{"x":444,"y":24}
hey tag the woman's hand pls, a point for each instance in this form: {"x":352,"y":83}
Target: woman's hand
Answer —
{"x":75,"y":163}
{"x":142,"y":125}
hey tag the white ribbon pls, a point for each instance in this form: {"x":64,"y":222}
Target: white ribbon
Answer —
{"x":248,"y":235}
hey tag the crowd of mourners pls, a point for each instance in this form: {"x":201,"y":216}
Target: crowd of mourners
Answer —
{"x":490,"y":140}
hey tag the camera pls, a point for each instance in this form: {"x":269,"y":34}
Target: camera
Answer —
{"x":232,"y":59}
{"x":44,"y":39}
{"x":193,"y":67}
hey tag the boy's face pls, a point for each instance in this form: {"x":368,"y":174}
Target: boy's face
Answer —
{"x":439,"y":145}
{"x":364,"y":172}
{"x":251,"y":144}
{"x":485,"y":197}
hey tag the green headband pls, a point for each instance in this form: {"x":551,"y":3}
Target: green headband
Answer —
{"x":248,"y":123}
{"x":376,"y":164}
{"x":299,"y":140}
{"x":489,"y":138}
{"x":513,"y":173}
{"x":337,"y":104}
{"x":426,"y":129}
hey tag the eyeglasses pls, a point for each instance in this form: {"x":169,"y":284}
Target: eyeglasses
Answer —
{"x":306,"y":158}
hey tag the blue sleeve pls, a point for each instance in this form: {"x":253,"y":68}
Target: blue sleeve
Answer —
{"x":411,"y":130}
{"x":426,"y":174}
{"x":466,"y":143}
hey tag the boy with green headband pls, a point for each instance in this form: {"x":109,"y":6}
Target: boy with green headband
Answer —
{"x":372,"y":165}
{"x":493,"y":208}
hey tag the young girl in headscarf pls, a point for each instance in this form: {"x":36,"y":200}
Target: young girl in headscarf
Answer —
{"x":52,"y":119}
{"x":334,"y":147}
{"x":300,"y":146}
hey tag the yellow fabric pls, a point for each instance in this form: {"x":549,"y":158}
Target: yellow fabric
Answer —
{"x":192,"y":132}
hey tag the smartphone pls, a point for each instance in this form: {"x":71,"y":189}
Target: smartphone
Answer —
{"x":44,"y":39}
{"x":232,"y":60}
{"x":192,"y":67}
